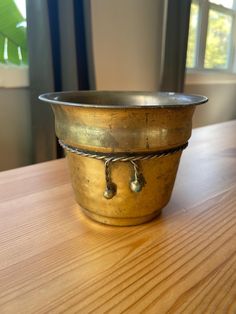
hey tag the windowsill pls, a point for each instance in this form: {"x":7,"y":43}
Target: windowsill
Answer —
{"x":209,"y":77}
{"x":13,"y":76}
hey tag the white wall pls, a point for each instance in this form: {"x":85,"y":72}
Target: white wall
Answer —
{"x":222,"y":101}
{"x":15,"y":128}
{"x":127,"y":43}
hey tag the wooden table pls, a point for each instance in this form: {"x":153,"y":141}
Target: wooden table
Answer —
{"x":53,"y":259}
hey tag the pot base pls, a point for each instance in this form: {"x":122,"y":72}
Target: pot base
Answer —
{"x":132,"y":221}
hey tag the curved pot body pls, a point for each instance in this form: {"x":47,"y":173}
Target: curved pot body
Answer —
{"x":127,"y":144}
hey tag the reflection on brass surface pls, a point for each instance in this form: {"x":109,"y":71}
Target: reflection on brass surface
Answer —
{"x":123,"y":123}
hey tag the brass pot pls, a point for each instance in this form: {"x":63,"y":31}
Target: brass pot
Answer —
{"x":123,"y":149}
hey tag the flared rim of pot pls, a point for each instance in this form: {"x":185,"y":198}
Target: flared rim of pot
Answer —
{"x":123,"y":99}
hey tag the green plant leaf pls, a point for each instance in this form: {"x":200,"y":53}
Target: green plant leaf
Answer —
{"x":10,"y":18}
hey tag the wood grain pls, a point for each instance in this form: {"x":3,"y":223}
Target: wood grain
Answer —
{"x":55,"y":260}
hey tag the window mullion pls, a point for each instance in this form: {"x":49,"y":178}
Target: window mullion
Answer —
{"x":202,"y":35}
{"x":232,"y":61}
{"x":233,"y":49}
{"x":221,"y":9}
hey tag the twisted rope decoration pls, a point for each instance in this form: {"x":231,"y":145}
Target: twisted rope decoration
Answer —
{"x":138,"y":180}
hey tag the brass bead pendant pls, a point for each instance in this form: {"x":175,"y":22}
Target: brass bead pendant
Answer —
{"x":138,"y":181}
{"x":136,"y":186}
{"x":110,"y":191}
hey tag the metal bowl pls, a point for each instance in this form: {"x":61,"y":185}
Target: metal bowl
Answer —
{"x":123,"y":149}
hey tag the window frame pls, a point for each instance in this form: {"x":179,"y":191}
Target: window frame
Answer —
{"x":201,"y":37}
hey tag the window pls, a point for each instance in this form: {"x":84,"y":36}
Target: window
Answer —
{"x":211,"y":35}
{"x":13,"y":48}
{"x":13,"y":44}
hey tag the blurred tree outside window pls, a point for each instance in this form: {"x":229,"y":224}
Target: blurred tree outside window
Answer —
{"x":13,"y":44}
{"x":210,"y":41}
{"x":192,"y":36}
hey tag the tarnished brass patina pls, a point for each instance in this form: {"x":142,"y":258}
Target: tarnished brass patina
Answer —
{"x":123,"y":149}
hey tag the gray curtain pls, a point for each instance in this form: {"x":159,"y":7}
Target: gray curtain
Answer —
{"x":176,"y":40}
{"x":60,"y":50}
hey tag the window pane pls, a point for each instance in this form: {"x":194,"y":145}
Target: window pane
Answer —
{"x":192,"y":36}
{"x":218,"y":40}
{"x":226,"y":3}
